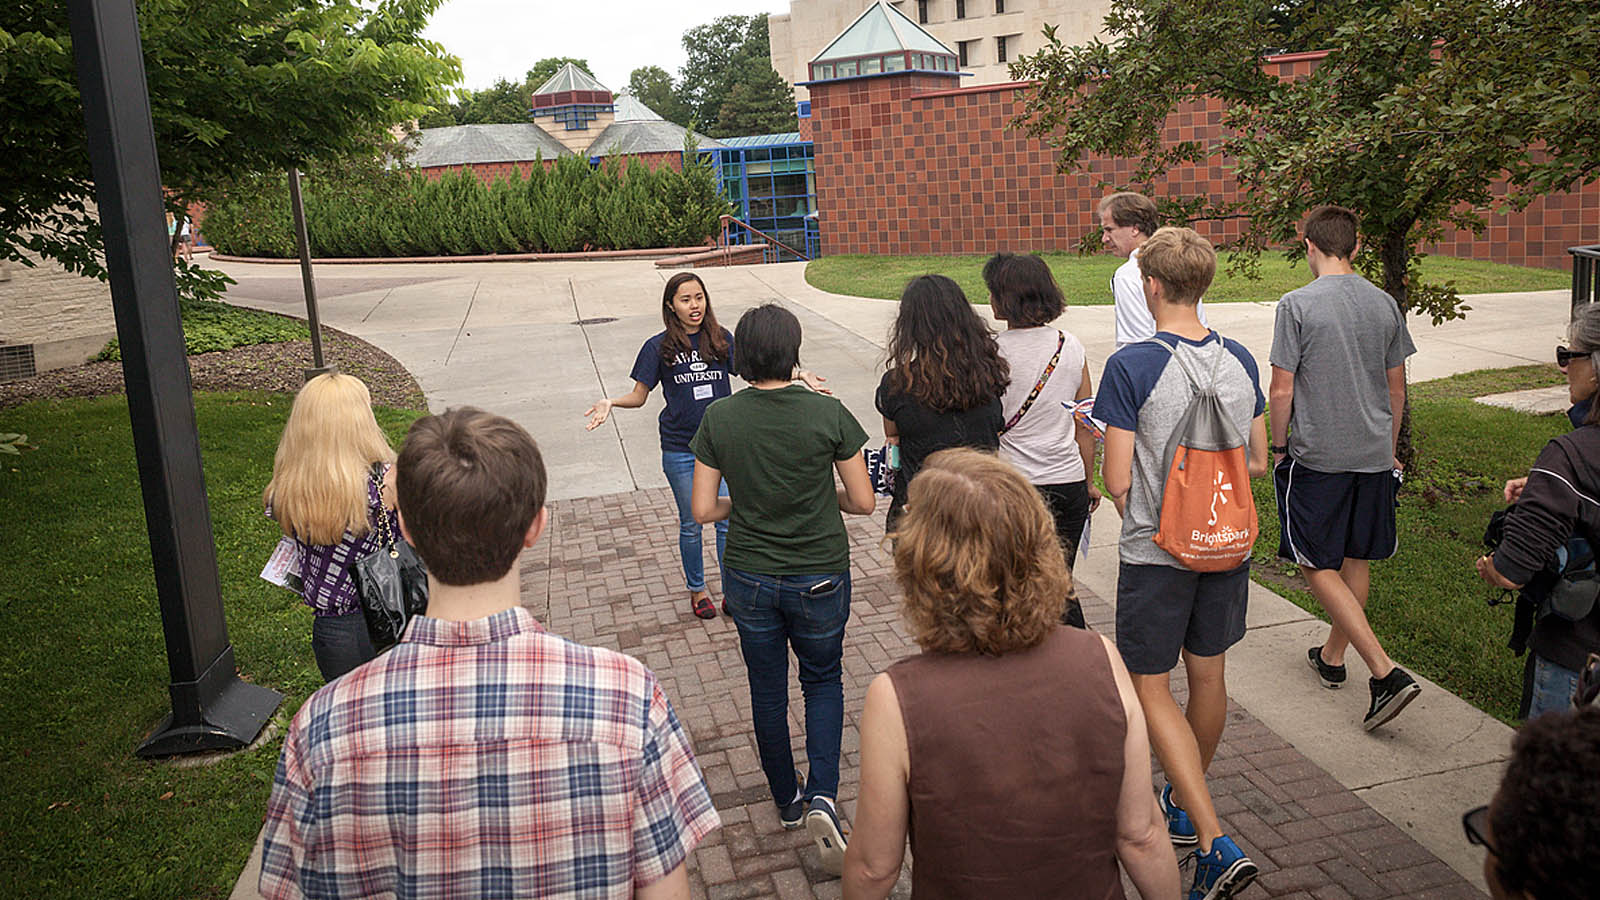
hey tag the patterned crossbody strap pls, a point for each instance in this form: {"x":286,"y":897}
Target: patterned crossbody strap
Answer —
{"x":1061,"y":341}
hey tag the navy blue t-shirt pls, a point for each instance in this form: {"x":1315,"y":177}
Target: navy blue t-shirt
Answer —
{"x":689,"y":383}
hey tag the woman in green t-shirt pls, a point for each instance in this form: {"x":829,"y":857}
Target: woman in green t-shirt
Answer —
{"x":786,"y":572}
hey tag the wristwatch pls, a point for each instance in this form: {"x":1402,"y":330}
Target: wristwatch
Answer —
{"x":1279,"y":448}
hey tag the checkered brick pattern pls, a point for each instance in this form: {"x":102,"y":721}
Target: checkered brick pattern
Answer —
{"x":607,"y":573}
{"x":905,"y":165}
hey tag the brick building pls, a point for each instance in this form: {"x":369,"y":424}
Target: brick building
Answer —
{"x":909,"y":161}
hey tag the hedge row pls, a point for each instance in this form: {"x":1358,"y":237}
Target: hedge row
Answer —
{"x":367,"y":211}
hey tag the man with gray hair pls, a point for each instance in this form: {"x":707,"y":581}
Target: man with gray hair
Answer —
{"x":1126,"y":221}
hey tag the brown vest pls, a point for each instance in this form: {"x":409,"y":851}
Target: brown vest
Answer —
{"x":1016,"y":767}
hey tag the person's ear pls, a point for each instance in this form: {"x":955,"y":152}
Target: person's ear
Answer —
{"x":536,"y":527}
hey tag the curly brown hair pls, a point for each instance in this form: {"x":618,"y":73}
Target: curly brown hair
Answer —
{"x":977,"y":557}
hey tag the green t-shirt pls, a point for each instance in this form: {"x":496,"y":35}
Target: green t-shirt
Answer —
{"x":776,"y":449}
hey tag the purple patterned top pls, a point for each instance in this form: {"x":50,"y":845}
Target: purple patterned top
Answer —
{"x":324,"y":574}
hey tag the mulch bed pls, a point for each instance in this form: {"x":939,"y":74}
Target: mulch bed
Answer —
{"x":261,"y":367}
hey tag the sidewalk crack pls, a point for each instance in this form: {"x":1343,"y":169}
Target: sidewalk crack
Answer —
{"x":463,"y":326}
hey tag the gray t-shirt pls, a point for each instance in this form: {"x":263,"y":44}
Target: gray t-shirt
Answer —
{"x":1145,"y":391}
{"x":1340,"y":335}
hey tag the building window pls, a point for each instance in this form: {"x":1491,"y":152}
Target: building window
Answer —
{"x":871,"y":65}
{"x":847,"y":70}
{"x":922,"y":12}
{"x":961,"y":9}
{"x":961,"y":51}
{"x":999,"y":7}
{"x":894,"y":63}
{"x":1000,"y":49}
{"x":825,"y":71}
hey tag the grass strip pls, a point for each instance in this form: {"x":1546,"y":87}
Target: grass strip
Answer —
{"x":85,"y":675}
{"x":1086,"y":280}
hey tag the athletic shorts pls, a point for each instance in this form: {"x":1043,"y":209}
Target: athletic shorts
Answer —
{"x":1327,"y":517}
{"x":1162,"y":609}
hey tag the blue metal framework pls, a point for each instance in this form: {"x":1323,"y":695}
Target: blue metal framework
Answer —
{"x":772,"y":180}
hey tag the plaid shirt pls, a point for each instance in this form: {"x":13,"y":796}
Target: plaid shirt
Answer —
{"x":484,"y":759}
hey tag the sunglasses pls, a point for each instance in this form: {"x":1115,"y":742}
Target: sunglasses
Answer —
{"x":1564,"y":356}
{"x":1473,"y":822}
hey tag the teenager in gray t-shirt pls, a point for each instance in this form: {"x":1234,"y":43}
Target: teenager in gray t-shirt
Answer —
{"x":1340,"y":335}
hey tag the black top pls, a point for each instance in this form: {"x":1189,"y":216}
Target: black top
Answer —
{"x":1560,"y":500}
{"x":924,"y":430}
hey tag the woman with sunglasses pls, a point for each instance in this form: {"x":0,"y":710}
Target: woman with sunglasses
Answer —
{"x":1541,"y":828}
{"x":1557,"y":500}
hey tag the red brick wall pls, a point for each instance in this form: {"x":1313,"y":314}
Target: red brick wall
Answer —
{"x":907,"y":165}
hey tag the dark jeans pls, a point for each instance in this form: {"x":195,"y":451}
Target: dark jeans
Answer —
{"x":1069,"y":506}
{"x":808,"y":613}
{"x":340,"y":643}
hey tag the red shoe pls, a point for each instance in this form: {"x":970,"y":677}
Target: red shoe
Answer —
{"x":725,"y":608}
{"x":703,"y":607}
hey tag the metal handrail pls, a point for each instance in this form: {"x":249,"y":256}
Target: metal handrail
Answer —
{"x":1585,"y":275}
{"x":726,"y":220}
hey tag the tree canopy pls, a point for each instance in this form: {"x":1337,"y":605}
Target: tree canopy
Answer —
{"x":1418,"y":110}
{"x":732,"y":52}
{"x":234,"y":88}
{"x":652,"y":86}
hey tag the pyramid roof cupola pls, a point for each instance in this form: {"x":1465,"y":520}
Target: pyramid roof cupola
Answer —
{"x":882,"y":40}
{"x":571,"y":100}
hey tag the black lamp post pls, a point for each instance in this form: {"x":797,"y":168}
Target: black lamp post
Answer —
{"x":211,"y":708}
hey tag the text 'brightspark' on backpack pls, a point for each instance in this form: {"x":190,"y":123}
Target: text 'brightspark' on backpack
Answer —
{"x":1208,"y":515}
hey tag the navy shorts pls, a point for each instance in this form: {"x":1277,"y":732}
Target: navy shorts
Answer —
{"x":1327,"y":517}
{"x":1162,"y":609}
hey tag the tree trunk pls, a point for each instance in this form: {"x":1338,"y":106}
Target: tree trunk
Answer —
{"x":1396,"y":255}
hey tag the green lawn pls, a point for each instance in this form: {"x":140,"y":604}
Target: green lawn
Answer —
{"x":1085,"y":280}
{"x":84,"y":675}
{"x":1428,"y":606}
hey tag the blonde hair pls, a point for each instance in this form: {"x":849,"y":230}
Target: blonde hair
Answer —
{"x":318,"y":489}
{"x":977,"y":557}
{"x":1181,"y":260}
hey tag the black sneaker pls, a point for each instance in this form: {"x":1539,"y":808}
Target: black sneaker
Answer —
{"x":822,"y":821}
{"x":1332,"y":677}
{"x":793,"y":813}
{"x":1390,"y":694}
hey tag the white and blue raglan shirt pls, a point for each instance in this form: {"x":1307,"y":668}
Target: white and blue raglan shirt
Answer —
{"x":1145,"y":391}
{"x":689,"y":381}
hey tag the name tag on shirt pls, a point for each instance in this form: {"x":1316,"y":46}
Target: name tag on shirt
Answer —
{"x":702,"y":391}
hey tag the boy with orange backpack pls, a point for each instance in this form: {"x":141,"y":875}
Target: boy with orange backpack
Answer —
{"x":1184,"y":434}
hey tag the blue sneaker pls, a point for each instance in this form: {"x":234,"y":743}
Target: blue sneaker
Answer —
{"x":1221,"y":873}
{"x":1179,"y":828}
{"x":822,"y":822}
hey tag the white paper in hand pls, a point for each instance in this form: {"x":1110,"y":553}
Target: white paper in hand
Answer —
{"x":283,"y":567}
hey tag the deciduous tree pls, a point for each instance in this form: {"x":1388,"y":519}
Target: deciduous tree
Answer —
{"x":234,"y":88}
{"x":1419,"y":110}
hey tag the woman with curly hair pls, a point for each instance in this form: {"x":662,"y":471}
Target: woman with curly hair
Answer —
{"x":944,"y":381}
{"x":327,"y":493}
{"x":1001,"y":799}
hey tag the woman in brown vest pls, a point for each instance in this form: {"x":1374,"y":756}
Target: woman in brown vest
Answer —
{"x":1012,"y":749}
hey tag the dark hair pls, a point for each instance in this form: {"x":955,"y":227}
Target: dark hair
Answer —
{"x":1129,"y":208}
{"x":1333,"y":230}
{"x":713,"y":344}
{"x":1543,"y":821}
{"x":1023,"y":291}
{"x":940,"y":352}
{"x":768,"y":338}
{"x":470,"y":484}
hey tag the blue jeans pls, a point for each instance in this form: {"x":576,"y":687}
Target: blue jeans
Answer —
{"x":340,"y":643}
{"x":679,"y":469}
{"x":806,"y":612}
{"x":1553,"y":687}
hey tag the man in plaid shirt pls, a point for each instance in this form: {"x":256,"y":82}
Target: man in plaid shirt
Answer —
{"x":483,"y":756}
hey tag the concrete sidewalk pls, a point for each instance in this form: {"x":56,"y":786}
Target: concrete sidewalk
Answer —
{"x":540,"y":342}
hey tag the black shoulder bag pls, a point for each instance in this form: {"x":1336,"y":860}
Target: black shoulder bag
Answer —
{"x":392,"y":584}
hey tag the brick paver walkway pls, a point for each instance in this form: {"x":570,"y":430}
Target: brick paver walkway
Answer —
{"x":607,"y":574}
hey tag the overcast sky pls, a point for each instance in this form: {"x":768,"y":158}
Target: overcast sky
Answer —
{"x":504,"y":38}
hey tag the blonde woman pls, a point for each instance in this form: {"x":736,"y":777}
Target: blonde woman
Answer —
{"x":327,"y":493}
{"x":1047,"y":787}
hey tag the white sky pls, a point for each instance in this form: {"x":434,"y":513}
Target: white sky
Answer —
{"x":504,"y":38}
